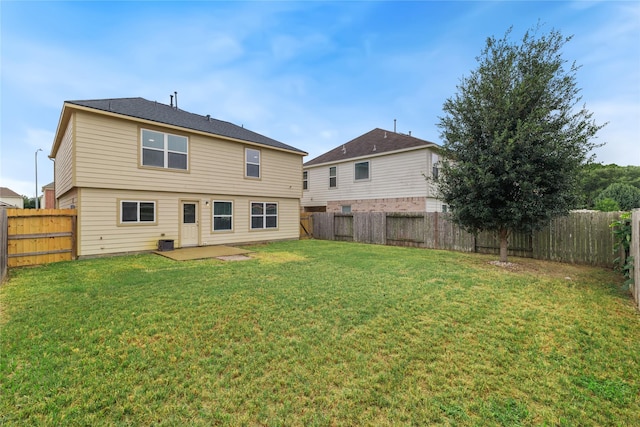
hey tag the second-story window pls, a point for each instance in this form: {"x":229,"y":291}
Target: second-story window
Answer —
{"x":434,"y":161}
{"x":164,"y":150}
{"x":252,"y":160}
{"x":333,"y":177}
{"x":361,"y":171}
{"x":305,"y":180}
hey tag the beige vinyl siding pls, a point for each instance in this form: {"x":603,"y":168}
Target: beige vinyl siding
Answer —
{"x":390,"y":176}
{"x":434,"y":205}
{"x":63,"y":170}
{"x":68,"y":199}
{"x":108,"y":153}
{"x":101,"y":232}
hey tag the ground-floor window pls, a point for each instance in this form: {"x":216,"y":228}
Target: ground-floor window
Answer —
{"x":222,"y":216}
{"x":264,"y":215}
{"x":137,"y":211}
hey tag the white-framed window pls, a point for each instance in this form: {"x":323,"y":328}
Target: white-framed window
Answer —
{"x":346,"y":209}
{"x":305,"y":180}
{"x":164,"y":150}
{"x":361,"y":171}
{"x":333,"y":177}
{"x":134,"y":211}
{"x":435,"y":166}
{"x":264,"y":215}
{"x":222,"y":215}
{"x":252,"y":162}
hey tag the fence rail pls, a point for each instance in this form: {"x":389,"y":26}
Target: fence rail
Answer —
{"x":581,"y":237}
{"x":39,"y":236}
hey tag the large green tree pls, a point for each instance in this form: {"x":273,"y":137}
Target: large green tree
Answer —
{"x":515,"y":137}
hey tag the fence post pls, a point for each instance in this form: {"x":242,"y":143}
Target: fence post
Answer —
{"x":4,"y":245}
{"x":635,"y":253}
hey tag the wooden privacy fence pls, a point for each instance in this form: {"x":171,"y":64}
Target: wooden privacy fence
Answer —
{"x":306,"y":225}
{"x":581,"y":237}
{"x":4,"y":266}
{"x":40,"y":236}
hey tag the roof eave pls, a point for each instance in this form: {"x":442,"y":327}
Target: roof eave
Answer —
{"x":386,"y":153}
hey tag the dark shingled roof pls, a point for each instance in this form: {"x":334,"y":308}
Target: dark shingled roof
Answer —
{"x":161,"y":113}
{"x":374,"y":142}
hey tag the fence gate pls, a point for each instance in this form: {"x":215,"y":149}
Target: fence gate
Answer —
{"x":306,"y":225}
{"x":40,"y":236}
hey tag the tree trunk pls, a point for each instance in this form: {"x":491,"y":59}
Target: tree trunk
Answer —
{"x":504,"y":244}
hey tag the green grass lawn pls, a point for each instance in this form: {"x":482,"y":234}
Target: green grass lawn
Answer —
{"x":318,"y":333}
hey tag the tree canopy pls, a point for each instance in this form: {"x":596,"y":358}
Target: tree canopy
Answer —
{"x":515,"y":137}
{"x":595,"y":178}
{"x":626,"y":196}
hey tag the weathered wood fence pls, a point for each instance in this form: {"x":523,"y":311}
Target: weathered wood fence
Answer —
{"x":581,"y":237}
{"x":635,"y":253}
{"x":39,"y":236}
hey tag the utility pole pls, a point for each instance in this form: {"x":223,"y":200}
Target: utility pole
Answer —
{"x":39,"y":149}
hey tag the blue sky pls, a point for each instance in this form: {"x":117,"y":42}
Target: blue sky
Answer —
{"x":311,"y":74}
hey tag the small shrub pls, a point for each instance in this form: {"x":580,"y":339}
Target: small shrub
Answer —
{"x":607,"y":205}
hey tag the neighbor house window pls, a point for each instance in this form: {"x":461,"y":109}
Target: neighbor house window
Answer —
{"x":305,"y":180}
{"x":164,"y":150}
{"x":252,"y":158}
{"x":222,"y":216}
{"x":333,"y":178}
{"x":362,"y":170}
{"x":346,"y":209}
{"x":134,"y":211}
{"x":264,"y":215}
{"x":434,"y":162}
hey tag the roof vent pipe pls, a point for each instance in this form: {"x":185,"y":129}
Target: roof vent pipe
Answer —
{"x":171,"y":103}
{"x":394,"y":125}
{"x":176,"y":94}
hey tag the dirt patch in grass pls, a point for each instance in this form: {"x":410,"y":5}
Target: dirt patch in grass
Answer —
{"x":555,"y":270}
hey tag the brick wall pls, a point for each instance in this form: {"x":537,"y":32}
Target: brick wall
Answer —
{"x":49,"y":199}
{"x":399,"y":204}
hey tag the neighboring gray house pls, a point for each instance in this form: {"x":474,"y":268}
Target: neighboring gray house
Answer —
{"x":380,"y":171}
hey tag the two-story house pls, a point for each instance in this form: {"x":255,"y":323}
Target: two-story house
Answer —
{"x":380,"y":171}
{"x":140,"y":171}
